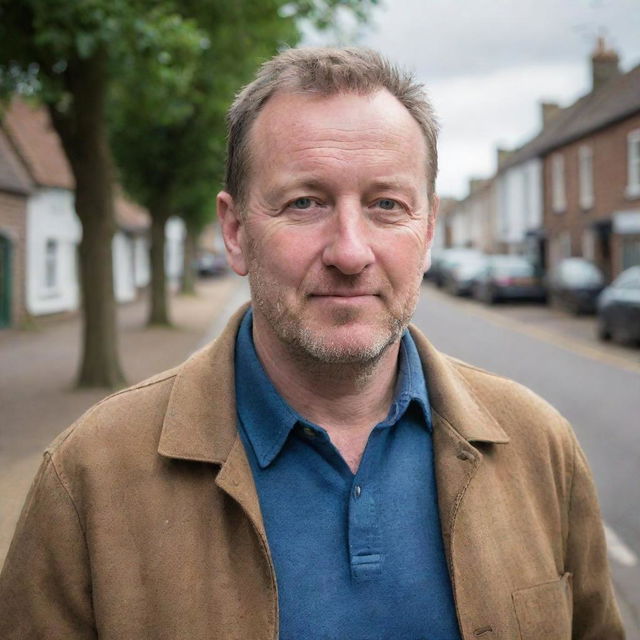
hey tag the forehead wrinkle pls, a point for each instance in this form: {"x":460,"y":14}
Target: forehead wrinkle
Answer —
{"x":322,"y":154}
{"x":360,"y":138}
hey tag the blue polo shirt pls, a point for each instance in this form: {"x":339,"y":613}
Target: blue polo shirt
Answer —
{"x":357,"y":557}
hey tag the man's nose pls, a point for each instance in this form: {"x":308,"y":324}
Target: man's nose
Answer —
{"x":348,"y":247}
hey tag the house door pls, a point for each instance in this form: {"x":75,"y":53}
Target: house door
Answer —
{"x":5,"y":282}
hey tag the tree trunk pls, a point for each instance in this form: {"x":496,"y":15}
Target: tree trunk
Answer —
{"x":189,"y":266}
{"x":158,"y":310}
{"x":82,"y":129}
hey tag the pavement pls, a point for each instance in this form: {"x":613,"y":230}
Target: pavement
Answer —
{"x":38,"y":368}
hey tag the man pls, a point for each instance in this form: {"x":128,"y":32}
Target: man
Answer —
{"x":319,"y":471}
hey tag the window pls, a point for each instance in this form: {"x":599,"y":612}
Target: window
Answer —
{"x":564,"y":240}
{"x":51,"y":264}
{"x":633,"y":164}
{"x":585,"y":178}
{"x":558,"y":195}
{"x":630,"y":252}
{"x":589,"y":244}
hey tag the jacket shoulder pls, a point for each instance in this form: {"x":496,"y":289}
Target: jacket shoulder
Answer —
{"x":521,"y":412}
{"x":128,"y":420}
{"x":484,"y":381}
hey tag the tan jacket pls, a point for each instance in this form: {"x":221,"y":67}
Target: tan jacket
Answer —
{"x":143,"y":521}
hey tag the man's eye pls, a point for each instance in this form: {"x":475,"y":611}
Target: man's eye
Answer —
{"x":302,"y":203}
{"x":387,"y":204}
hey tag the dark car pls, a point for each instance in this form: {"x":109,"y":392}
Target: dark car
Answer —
{"x":574,"y":284}
{"x":211,"y":264}
{"x":619,"y":308}
{"x":444,"y":260}
{"x":508,"y":277}
{"x":460,"y":270}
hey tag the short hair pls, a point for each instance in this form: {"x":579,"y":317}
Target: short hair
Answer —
{"x":326,"y":71}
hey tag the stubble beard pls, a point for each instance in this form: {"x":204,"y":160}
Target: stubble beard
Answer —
{"x":315,"y":347}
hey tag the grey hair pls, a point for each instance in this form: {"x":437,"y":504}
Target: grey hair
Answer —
{"x":326,"y":71}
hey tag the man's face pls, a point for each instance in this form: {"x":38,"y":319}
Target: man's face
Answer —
{"x":336,"y":231}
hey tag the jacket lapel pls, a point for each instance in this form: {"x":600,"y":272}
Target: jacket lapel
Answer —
{"x":459,"y":422}
{"x":201,"y":424}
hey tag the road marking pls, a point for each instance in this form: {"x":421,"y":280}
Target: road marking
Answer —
{"x":618,"y":550}
{"x":563,"y":342}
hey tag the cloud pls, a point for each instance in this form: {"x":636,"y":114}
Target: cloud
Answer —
{"x":439,"y":38}
{"x":488,"y":63}
{"x":479,"y":112}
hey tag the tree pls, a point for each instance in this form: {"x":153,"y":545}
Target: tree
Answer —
{"x":66,"y":53}
{"x":173,"y":162}
{"x":158,"y":141}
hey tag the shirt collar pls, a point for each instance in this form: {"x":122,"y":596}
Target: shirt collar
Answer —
{"x":266,"y":419}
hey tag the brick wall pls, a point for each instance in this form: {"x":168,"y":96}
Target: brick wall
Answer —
{"x":609,"y":148}
{"x":13,"y":224}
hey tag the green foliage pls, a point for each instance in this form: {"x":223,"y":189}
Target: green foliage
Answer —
{"x":168,"y":127}
{"x":173,"y":68}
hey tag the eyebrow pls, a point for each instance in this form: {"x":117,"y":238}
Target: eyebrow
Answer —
{"x":391,"y":183}
{"x":280,"y":189}
{"x":315,"y":184}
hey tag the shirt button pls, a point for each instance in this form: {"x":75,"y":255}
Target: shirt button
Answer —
{"x":309,"y":432}
{"x":357,"y":490}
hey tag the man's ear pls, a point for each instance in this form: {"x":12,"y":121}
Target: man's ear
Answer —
{"x":434,"y":207}
{"x":232,"y":226}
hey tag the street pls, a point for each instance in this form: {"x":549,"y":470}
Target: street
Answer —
{"x":597,"y":387}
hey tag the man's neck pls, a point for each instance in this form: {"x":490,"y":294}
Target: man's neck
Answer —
{"x":347,"y":400}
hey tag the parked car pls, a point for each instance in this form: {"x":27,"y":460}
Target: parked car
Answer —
{"x":445,"y":260}
{"x":459,"y":269}
{"x":508,"y":277}
{"x":619,"y":308}
{"x":211,"y":264}
{"x":575,"y":283}
{"x":433,"y":272}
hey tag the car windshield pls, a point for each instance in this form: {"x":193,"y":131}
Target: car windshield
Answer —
{"x":629,"y":279}
{"x":581,"y":273}
{"x":458,"y":256}
{"x":512,"y":266}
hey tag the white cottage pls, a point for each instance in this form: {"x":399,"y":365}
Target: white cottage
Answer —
{"x":53,"y":231}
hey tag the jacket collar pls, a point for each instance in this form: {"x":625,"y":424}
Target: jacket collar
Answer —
{"x":452,"y":397}
{"x":200,"y":419}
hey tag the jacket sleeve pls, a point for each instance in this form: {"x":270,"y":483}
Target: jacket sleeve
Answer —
{"x":45,"y":584}
{"x":595,"y":612}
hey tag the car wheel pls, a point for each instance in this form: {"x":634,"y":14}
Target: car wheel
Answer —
{"x":603,"y":330}
{"x":620,"y":335}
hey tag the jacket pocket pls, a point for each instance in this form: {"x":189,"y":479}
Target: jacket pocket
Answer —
{"x":544,"y":611}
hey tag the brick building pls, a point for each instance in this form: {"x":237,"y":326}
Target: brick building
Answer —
{"x":472,"y":220}
{"x":574,"y":189}
{"x":591,"y":171}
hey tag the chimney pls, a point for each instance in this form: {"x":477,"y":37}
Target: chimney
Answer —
{"x":475,"y":184}
{"x":503,"y":154}
{"x":549,"y":111}
{"x":604,"y":65}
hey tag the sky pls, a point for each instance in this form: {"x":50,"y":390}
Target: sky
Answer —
{"x":487,"y":64}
